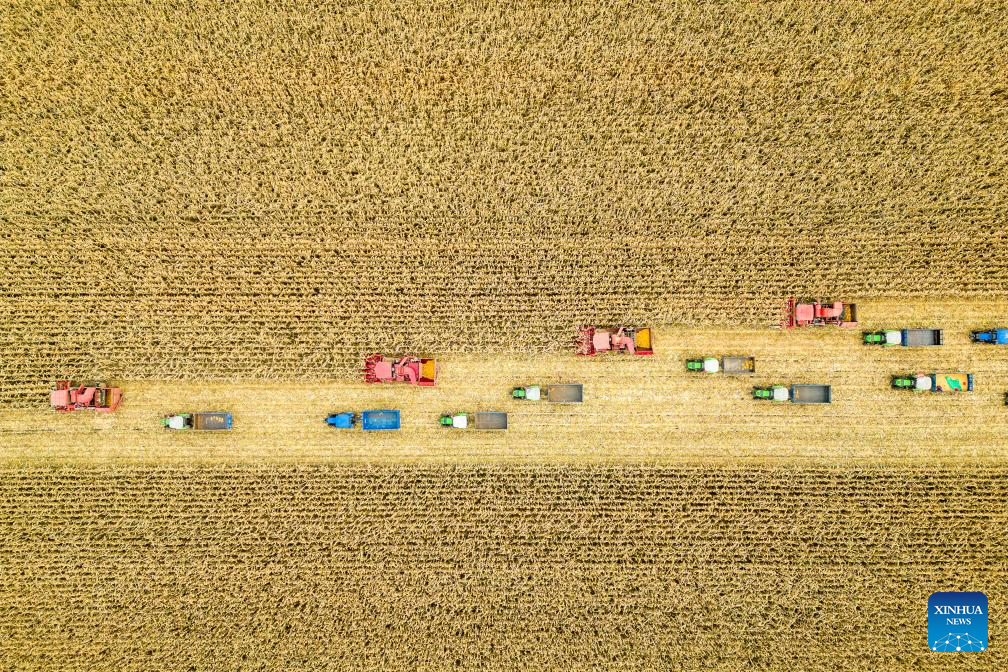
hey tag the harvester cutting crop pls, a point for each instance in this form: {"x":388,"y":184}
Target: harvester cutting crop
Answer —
{"x":816,"y":314}
{"x":97,"y":397}
{"x":412,"y":370}
{"x":597,"y":340}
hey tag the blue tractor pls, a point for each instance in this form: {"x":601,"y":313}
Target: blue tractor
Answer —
{"x":993,"y":336}
{"x":342,"y":420}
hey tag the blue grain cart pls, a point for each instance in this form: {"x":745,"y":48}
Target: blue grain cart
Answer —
{"x":374,"y":420}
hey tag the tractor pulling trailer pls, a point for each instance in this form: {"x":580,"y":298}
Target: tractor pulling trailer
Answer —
{"x":934,"y":382}
{"x":201,"y":422}
{"x":567,"y":393}
{"x":369,"y":420}
{"x":494,"y":420}
{"x":796,"y":394}
{"x":908,"y":338}
{"x":732,"y":366}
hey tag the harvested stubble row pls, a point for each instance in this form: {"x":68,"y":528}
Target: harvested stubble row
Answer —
{"x":263,"y":189}
{"x":493,"y":568}
{"x":636,"y":408}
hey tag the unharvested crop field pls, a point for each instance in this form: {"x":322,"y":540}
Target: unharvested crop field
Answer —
{"x":516,"y":568}
{"x":269,"y":189}
{"x":228,"y":203}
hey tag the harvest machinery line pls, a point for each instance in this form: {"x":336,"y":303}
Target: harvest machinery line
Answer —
{"x":589,"y":341}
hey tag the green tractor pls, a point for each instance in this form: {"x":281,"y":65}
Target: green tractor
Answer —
{"x":530,"y":392}
{"x":705,"y":365}
{"x":456,"y":420}
{"x":775,"y":393}
{"x":731,"y":365}
{"x":878,"y":338}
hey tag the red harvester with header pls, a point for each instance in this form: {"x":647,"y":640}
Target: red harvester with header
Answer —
{"x":97,"y":397}
{"x":412,"y":370}
{"x":597,"y":340}
{"x":816,"y":314}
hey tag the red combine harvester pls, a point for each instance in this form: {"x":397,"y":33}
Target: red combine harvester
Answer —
{"x":596,"y":340}
{"x":97,"y":398}
{"x":815,"y":314}
{"x":412,"y":370}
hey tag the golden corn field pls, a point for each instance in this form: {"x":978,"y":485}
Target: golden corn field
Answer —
{"x":226,"y":205}
{"x":534,"y":567}
{"x":253,"y":189}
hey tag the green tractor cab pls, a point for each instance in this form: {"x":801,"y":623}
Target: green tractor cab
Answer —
{"x":904,"y":382}
{"x":694,"y":365}
{"x":873,"y":337}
